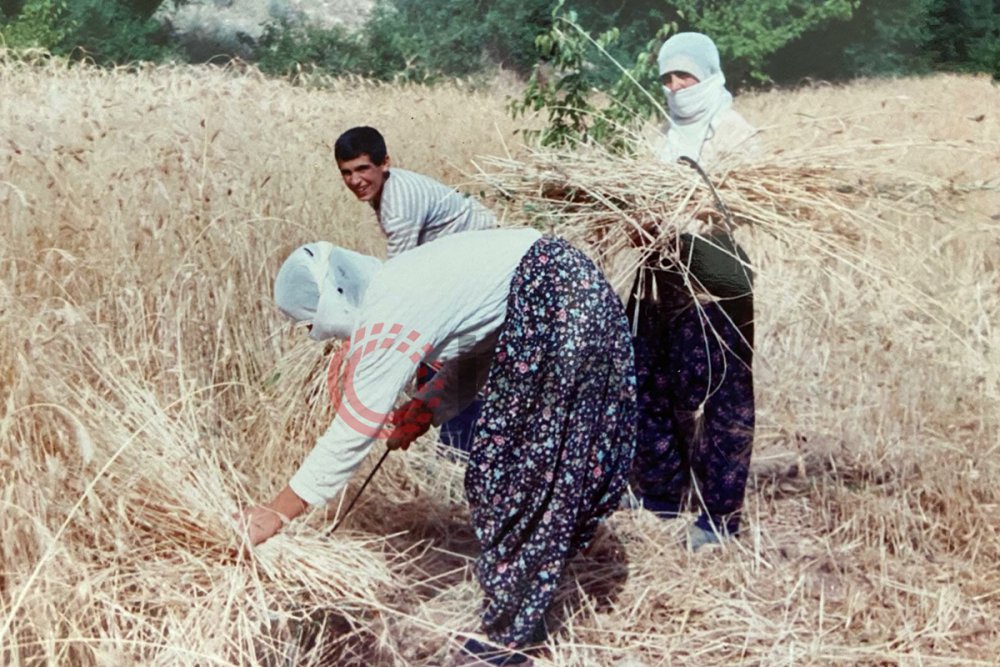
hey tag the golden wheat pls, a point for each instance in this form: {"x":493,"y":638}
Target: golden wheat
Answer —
{"x":149,"y":389}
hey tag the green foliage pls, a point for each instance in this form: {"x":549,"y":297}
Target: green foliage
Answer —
{"x":965,"y":35}
{"x":887,"y":38}
{"x":402,"y":40}
{"x":510,"y":30}
{"x":883,"y":37}
{"x":413,"y":40}
{"x":39,"y":24}
{"x":566,"y":96}
{"x":421,"y":39}
{"x":105,"y":32}
{"x":114,"y":32}
{"x":749,"y":33}
{"x":289,"y":48}
{"x":762,"y":41}
{"x":425,"y":39}
{"x":897,"y":37}
{"x":9,"y":8}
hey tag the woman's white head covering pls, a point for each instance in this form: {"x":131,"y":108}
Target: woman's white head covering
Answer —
{"x":323,"y":285}
{"x":692,"y":109}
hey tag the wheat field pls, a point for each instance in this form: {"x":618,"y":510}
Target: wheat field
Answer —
{"x":149,"y":389}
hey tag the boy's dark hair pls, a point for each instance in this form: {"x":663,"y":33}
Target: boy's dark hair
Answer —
{"x":359,"y":141}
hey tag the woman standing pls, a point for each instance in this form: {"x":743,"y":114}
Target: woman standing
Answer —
{"x":692,"y":313}
{"x":534,"y":319}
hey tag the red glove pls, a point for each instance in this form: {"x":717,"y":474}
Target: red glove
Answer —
{"x":409,"y":423}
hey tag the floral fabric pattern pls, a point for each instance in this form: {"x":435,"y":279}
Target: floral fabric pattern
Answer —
{"x":695,"y":401}
{"x":553,"y":446}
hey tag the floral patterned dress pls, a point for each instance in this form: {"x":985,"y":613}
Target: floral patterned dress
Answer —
{"x":553,"y":446}
{"x":694,"y":365}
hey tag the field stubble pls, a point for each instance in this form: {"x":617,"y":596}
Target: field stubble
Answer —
{"x":149,"y":388}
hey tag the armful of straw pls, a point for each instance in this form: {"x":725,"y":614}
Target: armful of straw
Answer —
{"x":663,"y":234}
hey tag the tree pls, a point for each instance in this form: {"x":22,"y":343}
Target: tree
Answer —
{"x":34,"y":24}
{"x":748,"y":34}
{"x":10,"y":8}
{"x":566,"y":95}
{"x":965,"y":35}
{"x":287,"y":48}
{"x":106,"y":31}
{"x":882,"y":37}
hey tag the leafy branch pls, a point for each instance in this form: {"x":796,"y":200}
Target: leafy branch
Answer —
{"x":565,"y":86}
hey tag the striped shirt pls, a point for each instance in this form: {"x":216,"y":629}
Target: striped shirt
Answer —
{"x":416,"y":209}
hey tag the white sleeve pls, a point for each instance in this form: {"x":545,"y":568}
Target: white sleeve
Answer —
{"x":732,"y":141}
{"x":374,"y":377}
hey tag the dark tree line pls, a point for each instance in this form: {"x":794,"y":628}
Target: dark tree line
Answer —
{"x":766,"y":40}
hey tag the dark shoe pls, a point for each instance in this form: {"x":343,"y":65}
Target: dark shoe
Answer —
{"x":665,"y":509}
{"x":480,"y":654}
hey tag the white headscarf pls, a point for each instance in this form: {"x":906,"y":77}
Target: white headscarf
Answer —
{"x":692,"y":109}
{"x":324,"y":285}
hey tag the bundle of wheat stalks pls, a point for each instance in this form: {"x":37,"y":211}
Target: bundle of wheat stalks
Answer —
{"x":118,"y":542}
{"x":624,"y":209}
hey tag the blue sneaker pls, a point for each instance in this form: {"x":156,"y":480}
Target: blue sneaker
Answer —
{"x":704,"y":532}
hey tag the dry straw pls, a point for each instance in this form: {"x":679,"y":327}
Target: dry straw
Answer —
{"x":610,"y":203}
{"x":148,"y":387}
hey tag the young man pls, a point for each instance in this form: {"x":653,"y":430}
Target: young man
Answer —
{"x":412,"y":209}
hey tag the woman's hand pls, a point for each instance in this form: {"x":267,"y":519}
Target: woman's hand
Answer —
{"x":261,"y":522}
{"x":704,"y":220}
{"x":409,"y":423}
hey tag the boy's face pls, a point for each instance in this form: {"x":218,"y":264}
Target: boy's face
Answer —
{"x":363,"y":177}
